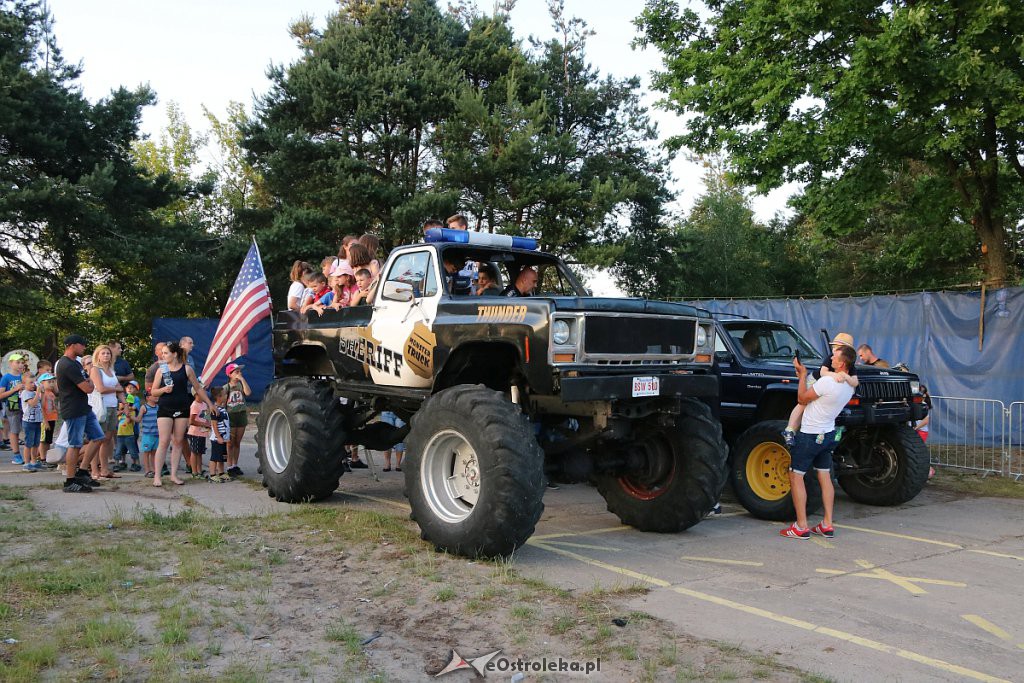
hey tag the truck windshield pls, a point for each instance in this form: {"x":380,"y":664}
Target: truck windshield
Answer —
{"x":766,"y":340}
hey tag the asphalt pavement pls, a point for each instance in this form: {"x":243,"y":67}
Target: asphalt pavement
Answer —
{"x":930,"y":590}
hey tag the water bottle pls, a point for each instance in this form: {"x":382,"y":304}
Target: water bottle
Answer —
{"x":165,"y":370}
{"x":839,"y":433}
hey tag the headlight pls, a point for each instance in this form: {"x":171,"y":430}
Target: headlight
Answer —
{"x":560,"y":332}
{"x":702,"y":336}
{"x":915,"y":386}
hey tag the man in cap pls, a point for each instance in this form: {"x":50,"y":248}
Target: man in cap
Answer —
{"x":73,"y":388}
{"x":841,"y":340}
{"x":10,"y":394}
{"x":823,"y":402}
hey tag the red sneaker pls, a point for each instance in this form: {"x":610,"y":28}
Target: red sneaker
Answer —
{"x":821,"y":530}
{"x":792,"y":531}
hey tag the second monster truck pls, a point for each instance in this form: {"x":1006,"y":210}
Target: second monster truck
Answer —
{"x":501,"y":394}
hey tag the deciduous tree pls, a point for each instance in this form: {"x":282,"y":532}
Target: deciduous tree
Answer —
{"x":835,"y":95}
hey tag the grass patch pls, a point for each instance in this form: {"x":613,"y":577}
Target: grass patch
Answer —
{"x":445,"y":594}
{"x":12,"y":493}
{"x":179,"y":521}
{"x":345,"y":633}
{"x":115,"y":630}
{"x":207,"y":539}
{"x":949,"y":479}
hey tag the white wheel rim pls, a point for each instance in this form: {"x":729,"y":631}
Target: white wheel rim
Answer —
{"x":277,"y":441}
{"x":450,"y":476}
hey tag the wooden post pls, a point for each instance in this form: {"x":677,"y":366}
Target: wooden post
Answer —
{"x":981,"y":319}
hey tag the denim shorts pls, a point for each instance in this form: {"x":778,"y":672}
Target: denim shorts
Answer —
{"x":33,"y":430}
{"x":218,"y":452}
{"x":807,"y":452}
{"x":82,"y":426}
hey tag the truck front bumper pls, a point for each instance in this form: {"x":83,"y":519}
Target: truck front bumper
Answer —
{"x":620,"y":387}
{"x":886,"y":413}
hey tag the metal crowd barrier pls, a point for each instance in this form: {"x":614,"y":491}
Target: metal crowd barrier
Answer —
{"x":972,"y":434}
{"x":1014,"y":440}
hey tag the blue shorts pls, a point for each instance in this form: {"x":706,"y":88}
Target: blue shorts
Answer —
{"x":807,"y":452}
{"x":149,"y":442}
{"x":218,"y":452}
{"x":81,"y":426}
{"x":33,"y":431}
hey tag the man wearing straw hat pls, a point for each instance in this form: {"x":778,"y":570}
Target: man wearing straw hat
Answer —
{"x":849,"y":377}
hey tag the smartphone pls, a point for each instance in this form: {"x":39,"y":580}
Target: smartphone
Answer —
{"x":797,"y":355}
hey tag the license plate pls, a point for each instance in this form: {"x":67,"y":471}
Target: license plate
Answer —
{"x":646,"y":386}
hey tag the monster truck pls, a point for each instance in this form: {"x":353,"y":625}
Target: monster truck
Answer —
{"x":880,"y":459}
{"x":501,"y":395}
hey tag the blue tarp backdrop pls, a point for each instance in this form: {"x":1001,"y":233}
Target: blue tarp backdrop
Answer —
{"x":935,"y":333}
{"x":258,"y":359}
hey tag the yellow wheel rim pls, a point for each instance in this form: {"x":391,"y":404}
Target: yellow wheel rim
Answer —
{"x":768,"y":471}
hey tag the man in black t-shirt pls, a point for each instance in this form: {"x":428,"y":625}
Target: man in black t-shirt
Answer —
{"x":122,"y":368}
{"x":73,"y":388}
{"x":524,"y":285}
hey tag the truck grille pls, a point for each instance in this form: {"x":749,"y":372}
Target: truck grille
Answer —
{"x":647,"y":335}
{"x":884,"y":391}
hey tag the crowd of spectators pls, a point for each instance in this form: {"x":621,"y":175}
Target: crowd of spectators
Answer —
{"x":88,"y":415}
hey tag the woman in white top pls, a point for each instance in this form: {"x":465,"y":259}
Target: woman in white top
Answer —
{"x":110,"y":394}
{"x":299,"y":270}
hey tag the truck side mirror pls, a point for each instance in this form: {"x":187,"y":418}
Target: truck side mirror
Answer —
{"x":397,"y":291}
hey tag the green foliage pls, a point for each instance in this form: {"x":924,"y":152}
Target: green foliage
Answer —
{"x":398,"y":112}
{"x":719,"y":250}
{"x":841,"y":96}
{"x":96,"y":228}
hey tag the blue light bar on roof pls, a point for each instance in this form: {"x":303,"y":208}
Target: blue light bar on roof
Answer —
{"x":481,"y":239}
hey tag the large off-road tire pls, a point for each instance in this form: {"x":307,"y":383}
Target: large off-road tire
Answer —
{"x":474,"y":472}
{"x":759,"y":469}
{"x":299,"y":440}
{"x":676,"y":473}
{"x":902,"y":459}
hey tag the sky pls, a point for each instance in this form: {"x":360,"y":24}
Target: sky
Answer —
{"x":212,"y":52}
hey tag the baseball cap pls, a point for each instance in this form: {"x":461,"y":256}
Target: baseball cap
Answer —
{"x":843,"y":339}
{"x":75,"y":339}
{"x":343,"y":268}
{"x":231,"y":367}
{"x":134,"y":382}
{"x":16,"y":356}
{"x":45,"y":376}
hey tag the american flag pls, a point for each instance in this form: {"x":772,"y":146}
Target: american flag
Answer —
{"x":248,"y":304}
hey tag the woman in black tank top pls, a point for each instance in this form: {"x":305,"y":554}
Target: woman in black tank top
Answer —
{"x":170,"y":386}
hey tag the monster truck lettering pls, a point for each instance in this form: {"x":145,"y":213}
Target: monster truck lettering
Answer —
{"x":515,"y":314}
{"x":419,"y":353}
{"x":373,"y":354}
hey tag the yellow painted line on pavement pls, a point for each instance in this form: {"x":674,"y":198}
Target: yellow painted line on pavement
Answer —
{"x":566,"y":534}
{"x":822,"y":542}
{"x":993,"y":554}
{"x":903,"y":536}
{"x":598,"y":563}
{"x":906,"y":582}
{"x":779,"y":618}
{"x":584,"y":546}
{"x":986,"y":625}
{"x":721,"y":561}
{"x":375,"y":499}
